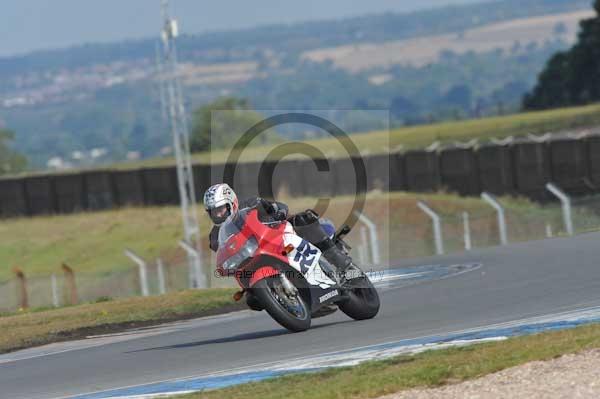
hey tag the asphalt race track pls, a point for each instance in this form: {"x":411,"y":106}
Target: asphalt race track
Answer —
{"x":514,"y":282}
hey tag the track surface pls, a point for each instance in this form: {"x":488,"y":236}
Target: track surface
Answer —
{"x":517,"y":281}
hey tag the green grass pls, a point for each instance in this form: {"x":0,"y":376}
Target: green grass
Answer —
{"x":88,"y":242}
{"x":31,"y":328}
{"x":94,"y":242}
{"x":413,"y":137}
{"x":429,"y":369}
{"x":417,"y":137}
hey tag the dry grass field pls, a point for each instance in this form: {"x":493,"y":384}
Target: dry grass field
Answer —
{"x":425,"y":50}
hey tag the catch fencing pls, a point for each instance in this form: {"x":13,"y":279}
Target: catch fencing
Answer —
{"x":376,"y":243}
{"x":507,"y":168}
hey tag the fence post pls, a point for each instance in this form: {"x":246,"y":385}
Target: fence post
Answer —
{"x":23,"y":297}
{"x":362,"y":248}
{"x":566,"y":206}
{"x":372,"y":235}
{"x":549,"y":233}
{"x":160,"y":269}
{"x":467,"y":230}
{"x":70,"y":283}
{"x":437,"y":227}
{"x":197,"y":277}
{"x":143,"y":270}
{"x":501,"y":216}
{"x":54,"y":284}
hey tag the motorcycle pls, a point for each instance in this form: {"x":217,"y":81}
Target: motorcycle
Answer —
{"x":285,"y":275}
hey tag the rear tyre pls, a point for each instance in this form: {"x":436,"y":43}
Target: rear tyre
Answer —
{"x":291,"y":312}
{"x":363,"y":302}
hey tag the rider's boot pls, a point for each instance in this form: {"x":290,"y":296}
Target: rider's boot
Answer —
{"x":308,"y":227}
{"x":336,"y":256}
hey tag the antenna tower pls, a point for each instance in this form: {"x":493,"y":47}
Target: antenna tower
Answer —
{"x":181,"y":144}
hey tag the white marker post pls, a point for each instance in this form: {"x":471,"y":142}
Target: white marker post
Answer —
{"x":437,"y":227}
{"x":54,"y":284}
{"x":549,"y":233}
{"x":566,"y":206}
{"x":363,"y":247}
{"x":143,"y":270}
{"x":160,"y":270}
{"x":467,"y":230}
{"x":197,"y":277}
{"x":373,"y":237}
{"x":501,"y":216}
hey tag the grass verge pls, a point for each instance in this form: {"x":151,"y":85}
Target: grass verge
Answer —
{"x":33,"y":328}
{"x":429,"y":369}
{"x":39,"y":245}
{"x":421,"y":136}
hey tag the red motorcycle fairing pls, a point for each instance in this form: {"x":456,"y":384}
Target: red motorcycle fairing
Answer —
{"x":270,"y":240}
{"x":262,"y":273}
{"x":269,"y":259}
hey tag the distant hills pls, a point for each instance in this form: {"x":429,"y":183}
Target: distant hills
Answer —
{"x":103,"y":99}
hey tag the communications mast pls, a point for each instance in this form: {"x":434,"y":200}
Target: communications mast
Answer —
{"x":181,"y":145}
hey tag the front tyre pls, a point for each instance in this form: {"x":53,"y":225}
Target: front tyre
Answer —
{"x":363,"y":300}
{"x":291,"y":311}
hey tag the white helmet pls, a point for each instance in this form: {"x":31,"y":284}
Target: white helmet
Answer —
{"x":220,"y":202}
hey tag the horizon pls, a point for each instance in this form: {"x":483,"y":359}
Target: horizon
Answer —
{"x":38,"y":25}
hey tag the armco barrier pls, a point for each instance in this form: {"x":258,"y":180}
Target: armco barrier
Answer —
{"x":522,"y":168}
{"x":217,"y":175}
{"x":422,"y":171}
{"x":397,"y":173}
{"x":344,"y":176}
{"x":69,"y":193}
{"x":270,"y":183}
{"x":458,"y":171}
{"x":315,"y":178}
{"x":283,"y":176}
{"x":383,"y":172}
{"x":201,"y":179}
{"x":593,"y":152}
{"x":532,"y":166}
{"x":496,"y":174}
{"x":40,"y":195}
{"x":129,"y":187}
{"x":13,"y":201}
{"x":160,"y":186}
{"x":99,"y":190}
{"x":246,"y":181}
{"x":569,"y":165}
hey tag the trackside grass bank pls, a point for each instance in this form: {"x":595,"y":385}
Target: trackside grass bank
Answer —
{"x":33,"y":328}
{"x":94,"y":242}
{"x":417,"y":137}
{"x":428,"y":369}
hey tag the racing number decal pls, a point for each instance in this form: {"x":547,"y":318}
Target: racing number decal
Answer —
{"x":305,"y":256}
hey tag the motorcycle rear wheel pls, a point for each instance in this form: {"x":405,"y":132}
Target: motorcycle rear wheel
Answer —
{"x":363,"y":300}
{"x":291,"y":313}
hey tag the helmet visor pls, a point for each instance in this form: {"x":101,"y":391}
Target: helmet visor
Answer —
{"x":219,"y":214}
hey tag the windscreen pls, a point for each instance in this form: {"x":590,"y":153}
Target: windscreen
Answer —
{"x":233,"y":225}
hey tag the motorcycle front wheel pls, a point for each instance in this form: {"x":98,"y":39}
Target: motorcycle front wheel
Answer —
{"x":291,"y":312}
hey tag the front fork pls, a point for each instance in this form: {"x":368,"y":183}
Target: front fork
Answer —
{"x":260,"y":274}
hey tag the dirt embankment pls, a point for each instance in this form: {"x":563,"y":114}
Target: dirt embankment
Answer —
{"x":569,"y":376}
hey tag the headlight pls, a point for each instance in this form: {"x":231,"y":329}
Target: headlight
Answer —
{"x":246,"y":251}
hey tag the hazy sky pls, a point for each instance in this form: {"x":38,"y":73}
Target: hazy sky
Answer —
{"x":27,"y":25}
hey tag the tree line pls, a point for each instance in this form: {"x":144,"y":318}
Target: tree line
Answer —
{"x":571,"y":77}
{"x":10,"y":160}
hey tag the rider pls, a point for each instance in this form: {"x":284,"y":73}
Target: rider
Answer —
{"x":220,"y":202}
